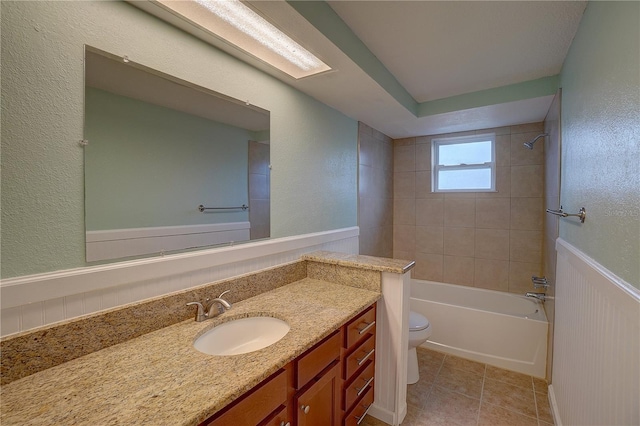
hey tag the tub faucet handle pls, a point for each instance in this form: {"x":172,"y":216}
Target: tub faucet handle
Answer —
{"x":539,"y":282}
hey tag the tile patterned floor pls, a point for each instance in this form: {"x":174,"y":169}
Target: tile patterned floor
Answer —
{"x":454,"y":391}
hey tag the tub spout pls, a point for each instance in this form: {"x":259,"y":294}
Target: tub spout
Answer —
{"x":540,"y":296}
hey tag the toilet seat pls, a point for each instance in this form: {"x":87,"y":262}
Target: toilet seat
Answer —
{"x":417,"y":322}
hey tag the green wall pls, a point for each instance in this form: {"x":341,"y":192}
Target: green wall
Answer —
{"x":601,"y":137}
{"x":147,"y":165}
{"x":313,"y":147}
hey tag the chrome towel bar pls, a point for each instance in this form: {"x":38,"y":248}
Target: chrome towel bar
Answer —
{"x":582,"y":214}
{"x":202,"y":208}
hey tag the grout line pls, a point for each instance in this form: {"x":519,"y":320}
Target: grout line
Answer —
{"x":484,"y":376}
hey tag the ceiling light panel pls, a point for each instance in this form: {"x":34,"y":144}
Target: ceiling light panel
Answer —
{"x":241,"y":26}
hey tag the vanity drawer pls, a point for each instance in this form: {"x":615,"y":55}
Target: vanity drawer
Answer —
{"x":363,"y":325}
{"x":359,"y":356}
{"x":316,"y":359}
{"x":356,"y":415}
{"x":256,"y":405}
{"x":359,"y":386}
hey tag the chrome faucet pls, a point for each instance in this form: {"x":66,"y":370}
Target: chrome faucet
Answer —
{"x":215,"y":308}
{"x":540,"y":296}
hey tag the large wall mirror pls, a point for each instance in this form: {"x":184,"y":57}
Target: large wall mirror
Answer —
{"x":169,"y":166}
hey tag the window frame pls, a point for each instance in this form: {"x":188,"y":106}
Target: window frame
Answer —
{"x":436,"y":168}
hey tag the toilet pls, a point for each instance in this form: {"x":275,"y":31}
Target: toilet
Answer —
{"x":419,"y":332}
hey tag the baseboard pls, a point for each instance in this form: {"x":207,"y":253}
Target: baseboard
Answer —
{"x":554,"y":407}
{"x":382,"y":414}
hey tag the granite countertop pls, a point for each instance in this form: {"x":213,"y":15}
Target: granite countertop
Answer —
{"x":381,"y":264}
{"x":161,"y":379}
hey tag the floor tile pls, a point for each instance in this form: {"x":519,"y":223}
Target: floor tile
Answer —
{"x":540,"y":385}
{"x":506,"y":376}
{"x":417,"y":394}
{"x":464,"y":364}
{"x":460,"y":381}
{"x":427,"y":355}
{"x":414,"y":417}
{"x":544,"y":409}
{"x":445,"y":407}
{"x":492,"y":415}
{"x":509,"y":396}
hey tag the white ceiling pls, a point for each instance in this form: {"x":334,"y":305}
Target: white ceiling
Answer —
{"x":434,"y":49}
{"x":438,"y":49}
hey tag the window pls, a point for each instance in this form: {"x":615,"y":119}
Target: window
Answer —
{"x":464,"y":164}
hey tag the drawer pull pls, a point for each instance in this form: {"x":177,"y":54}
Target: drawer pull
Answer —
{"x":363,"y":388}
{"x":305,"y":409}
{"x":363,"y":359}
{"x":366,"y":327}
{"x":285,"y":424}
{"x":361,"y":418}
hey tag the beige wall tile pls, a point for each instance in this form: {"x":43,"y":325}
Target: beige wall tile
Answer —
{"x":404,"y":158}
{"x":492,"y":244}
{"x":520,"y":276}
{"x":423,"y":156}
{"x":459,"y":270}
{"x":525,"y":246}
{"x":497,"y":130}
{"x":527,"y":213}
{"x":493,"y":213}
{"x":459,"y":241}
{"x":523,"y":156}
{"x":491,"y":274}
{"x":430,"y":212}
{"x":528,"y":127}
{"x":428,"y":267}
{"x":404,"y":185}
{"x":404,"y":238}
{"x":503,"y":150}
{"x":404,"y":142}
{"x":429,"y":239}
{"x":404,"y":211}
{"x":527,"y":181}
{"x":467,"y":195}
{"x":423,"y":186}
{"x":406,"y":255}
{"x":459,"y":212}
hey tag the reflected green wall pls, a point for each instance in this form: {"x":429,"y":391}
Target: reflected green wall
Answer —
{"x":147,"y":165}
{"x":313,"y":147}
{"x":601,"y":137}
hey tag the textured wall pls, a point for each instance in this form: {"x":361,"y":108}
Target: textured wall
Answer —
{"x":313,"y":147}
{"x":601,"y":137}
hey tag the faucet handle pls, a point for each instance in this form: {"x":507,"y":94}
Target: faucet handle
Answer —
{"x":200,"y":315}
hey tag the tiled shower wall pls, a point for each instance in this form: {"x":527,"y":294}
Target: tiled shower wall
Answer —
{"x":375,"y":192}
{"x":488,"y":240}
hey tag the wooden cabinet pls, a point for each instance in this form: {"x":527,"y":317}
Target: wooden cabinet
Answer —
{"x":256,"y":405}
{"x":317,"y":404}
{"x":358,"y":366}
{"x":331,"y":384}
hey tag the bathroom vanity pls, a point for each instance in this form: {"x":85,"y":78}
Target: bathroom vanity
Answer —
{"x":330,"y":384}
{"x":338,"y":307}
{"x":160,"y":378}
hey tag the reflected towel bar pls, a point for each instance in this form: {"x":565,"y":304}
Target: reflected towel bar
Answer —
{"x":202,"y":208}
{"x":582,"y":214}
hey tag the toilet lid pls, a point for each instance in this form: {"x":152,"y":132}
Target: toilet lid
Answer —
{"x":417,"y":322}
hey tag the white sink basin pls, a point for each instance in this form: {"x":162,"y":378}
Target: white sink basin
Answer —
{"x":241,"y":336}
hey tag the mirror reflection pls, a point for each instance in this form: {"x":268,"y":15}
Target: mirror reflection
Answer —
{"x":158,"y":148}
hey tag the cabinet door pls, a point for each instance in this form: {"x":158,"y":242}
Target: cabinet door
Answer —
{"x":317,"y":405}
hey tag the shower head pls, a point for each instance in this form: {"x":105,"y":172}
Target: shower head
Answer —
{"x":529,"y":145}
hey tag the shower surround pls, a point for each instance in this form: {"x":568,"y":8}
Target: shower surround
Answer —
{"x":490,"y":240}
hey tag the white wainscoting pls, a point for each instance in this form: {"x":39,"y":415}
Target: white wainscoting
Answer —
{"x":119,"y":243}
{"x":596,"y":361}
{"x":36,"y":300}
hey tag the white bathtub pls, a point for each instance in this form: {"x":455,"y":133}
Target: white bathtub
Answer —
{"x":501,"y":329}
